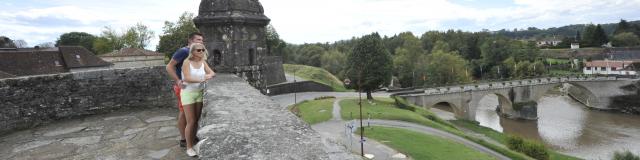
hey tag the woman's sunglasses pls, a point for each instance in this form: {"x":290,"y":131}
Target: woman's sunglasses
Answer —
{"x":199,"y":50}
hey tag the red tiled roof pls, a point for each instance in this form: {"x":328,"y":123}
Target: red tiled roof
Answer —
{"x":601,"y":63}
{"x":80,"y":57}
{"x":22,"y":63}
{"x":131,"y":52}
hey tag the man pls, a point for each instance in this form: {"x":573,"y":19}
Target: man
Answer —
{"x":174,"y":69}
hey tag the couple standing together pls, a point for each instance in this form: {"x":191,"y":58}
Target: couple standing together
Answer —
{"x":189,"y":71}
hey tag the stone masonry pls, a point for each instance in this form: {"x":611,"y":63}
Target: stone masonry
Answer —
{"x":240,"y":123}
{"x":31,"y":101}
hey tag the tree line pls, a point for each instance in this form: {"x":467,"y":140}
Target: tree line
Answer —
{"x":434,"y":58}
{"x":621,"y":34}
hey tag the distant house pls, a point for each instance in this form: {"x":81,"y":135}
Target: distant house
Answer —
{"x":575,"y":45}
{"x":133,"y":57}
{"x":609,"y":67}
{"x":548,"y":42}
{"x":17,"y":62}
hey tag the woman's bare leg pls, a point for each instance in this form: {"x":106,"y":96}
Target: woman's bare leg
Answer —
{"x":189,"y":112}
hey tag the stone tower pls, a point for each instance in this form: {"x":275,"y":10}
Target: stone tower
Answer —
{"x":234,"y":33}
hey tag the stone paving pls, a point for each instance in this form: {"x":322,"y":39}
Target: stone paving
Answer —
{"x":137,"y":134}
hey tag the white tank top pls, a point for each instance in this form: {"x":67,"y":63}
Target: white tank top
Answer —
{"x":196,"y":73}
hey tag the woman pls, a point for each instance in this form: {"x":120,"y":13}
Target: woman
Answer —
{"x":195,"y":72}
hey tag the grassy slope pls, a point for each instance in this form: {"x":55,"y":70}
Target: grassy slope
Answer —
{"x":315,"y":111}
{"x":422,"y":146}
{"x":384,"y":108}
{"x":500,"y":137}
{"x":315,"y":74}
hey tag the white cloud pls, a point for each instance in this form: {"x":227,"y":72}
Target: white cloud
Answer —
{"x":300,"y":21}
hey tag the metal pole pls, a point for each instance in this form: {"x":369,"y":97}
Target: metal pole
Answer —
{"x":360,"y":104}
{"x":295,"y":89}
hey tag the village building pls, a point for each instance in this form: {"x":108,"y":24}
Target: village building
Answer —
{"x":609,"y":67}
{"x":18,"y":62}
{"x":133,"y":57}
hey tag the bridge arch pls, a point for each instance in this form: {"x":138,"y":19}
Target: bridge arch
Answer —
{"x":576,"y":90}
{"x":504,"y":103}
{"x":449,"y":107}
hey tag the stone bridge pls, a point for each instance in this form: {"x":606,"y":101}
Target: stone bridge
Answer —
{"x":517,"y":99}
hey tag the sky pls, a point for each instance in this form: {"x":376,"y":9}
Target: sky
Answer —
{"x":311,"y":21}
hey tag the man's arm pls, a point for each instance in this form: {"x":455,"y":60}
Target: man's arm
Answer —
{"x":171,"y":70}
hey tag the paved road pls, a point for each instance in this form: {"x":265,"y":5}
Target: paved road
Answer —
{"x":335,"y":128}
{"x":131,"y":134}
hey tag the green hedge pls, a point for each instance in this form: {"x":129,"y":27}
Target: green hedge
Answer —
{"x":531,"y":148}
{"x":626,"y":155}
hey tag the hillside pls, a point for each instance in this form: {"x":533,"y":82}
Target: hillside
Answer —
{"x":315,"y":74}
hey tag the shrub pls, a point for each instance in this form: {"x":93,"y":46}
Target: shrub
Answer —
{"x":324,"y":97}
{"x":531,"y":148}
{"x":626,"y":155}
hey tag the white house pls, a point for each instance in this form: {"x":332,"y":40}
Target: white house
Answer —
{"x":575,"y":45}
{"x":609,"y":67}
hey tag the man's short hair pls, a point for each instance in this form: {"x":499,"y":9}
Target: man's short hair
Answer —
{"x":194,"y":34}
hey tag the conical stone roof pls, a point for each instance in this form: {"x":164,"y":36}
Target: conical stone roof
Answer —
{"x":231,"y":11}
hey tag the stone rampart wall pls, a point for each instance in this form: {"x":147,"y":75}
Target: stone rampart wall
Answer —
{"x":26,"y":102}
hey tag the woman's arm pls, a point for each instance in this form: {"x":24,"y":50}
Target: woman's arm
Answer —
{"x":209,"y":72}
{"x":186,"y":70}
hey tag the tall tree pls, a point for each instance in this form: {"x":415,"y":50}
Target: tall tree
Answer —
{"x":310,"y":55}
{"x":588,"y":36}
{"x":626,"y":39}
{"x":447,"y":68}
{"x":77,"y":38}
{"x":407,"y":59}
{"x":20,"y":43}
{"x":108,"y":41}
{"x":622,"y":27}
{"x":175,"y":35}
{"x":600,"y":36}
{"x":334,"y":61}
{"x":369,"y":64}
{"x":6,"y":42}
{"x":275,"y":45}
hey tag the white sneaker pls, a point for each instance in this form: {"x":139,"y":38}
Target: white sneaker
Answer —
{"x":191,"y":152}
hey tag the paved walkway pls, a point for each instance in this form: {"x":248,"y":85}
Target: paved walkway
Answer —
{"x":134,"y":134}
{"x":334,"y":129}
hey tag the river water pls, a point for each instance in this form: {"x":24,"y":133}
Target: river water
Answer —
{"x":569,"y":127}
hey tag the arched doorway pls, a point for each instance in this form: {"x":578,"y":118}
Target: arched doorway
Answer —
{"x":217,"y":57}
{"x":252,"y":56}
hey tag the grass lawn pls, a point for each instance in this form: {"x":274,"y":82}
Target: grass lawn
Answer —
{"x":385,"y":108}
{"x":553,"y":61}
{"x":315,"y":74}
{"x":314,"y":111}
{"x":502,"y":138}
{"x":422,"y":146}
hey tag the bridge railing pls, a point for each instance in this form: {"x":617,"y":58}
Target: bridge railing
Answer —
{"x":501,"y":83}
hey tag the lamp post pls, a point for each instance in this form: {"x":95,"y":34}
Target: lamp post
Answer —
{"x":295,"y":89}
{"x":360,"y":104}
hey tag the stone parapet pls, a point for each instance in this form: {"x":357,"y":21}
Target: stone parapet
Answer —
{"x":26,"y":102}
{"x":238,"y":122}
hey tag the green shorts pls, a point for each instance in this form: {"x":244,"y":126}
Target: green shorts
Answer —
{"x":190,"y":97}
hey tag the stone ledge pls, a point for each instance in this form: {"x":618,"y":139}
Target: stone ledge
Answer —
{"x":240,"y":123}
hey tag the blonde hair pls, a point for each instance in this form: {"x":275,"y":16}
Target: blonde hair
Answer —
{"x":199,"y":45}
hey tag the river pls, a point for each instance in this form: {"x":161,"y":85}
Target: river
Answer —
{"x":569,"y":127}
